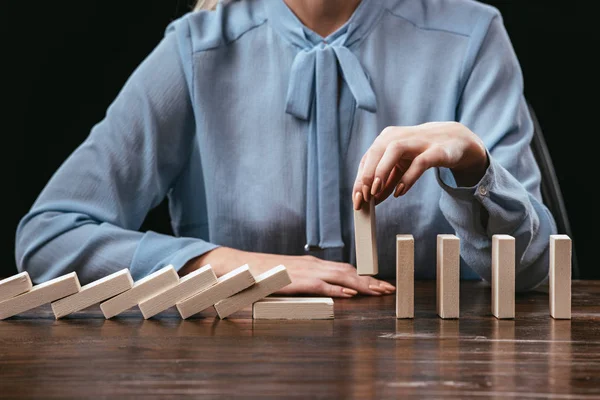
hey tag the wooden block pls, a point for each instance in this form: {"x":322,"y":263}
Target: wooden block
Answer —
{"x":142,"y":290}
{"x":43,"y":293}
{"x":405,"y":276}
{"x":189,"y":285}
{"x":266,"y":283}
{"x":560,"y":276}
{"x":293,"y":308}
{"x":14,"y":286}
{"x":503,"y":276}
{"x":227,"y":285}
{"x":94,"y":293}
{"x":366,"y":239}
{"x":448,"y":276}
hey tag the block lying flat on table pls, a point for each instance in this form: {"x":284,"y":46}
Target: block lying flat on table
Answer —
{"x":142,"y":290}
{"x":365,"y":238}
{"x":405,"y":276}
{"x":41,"y":294}
{"x":227,"y":285}
{"x":94,"y":293}
{"x":503,"y":276}
{"x":448,"y":276}
{"x":189,"y":285}
{"x":266,"y":283}
{"x":560,"y":276}
{"x":15,"y":285}
{"x":293,"y":308}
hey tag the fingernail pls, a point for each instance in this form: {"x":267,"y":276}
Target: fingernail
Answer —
{"x":388,"y":286}
{"x":357,"y":200}
{"x":376,"y":288}
{"x":375,"y":187}
{"x":366,"y":193}
{"x":351,"y":292}
{"x":399,"y":189}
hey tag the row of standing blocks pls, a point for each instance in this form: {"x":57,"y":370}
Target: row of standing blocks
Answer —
{"x":161,"y":290}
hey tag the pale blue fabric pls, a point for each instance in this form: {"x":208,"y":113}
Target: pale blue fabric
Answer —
{"x":253,"y":127}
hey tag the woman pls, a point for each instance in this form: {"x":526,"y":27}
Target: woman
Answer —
{"x":266,"y":122}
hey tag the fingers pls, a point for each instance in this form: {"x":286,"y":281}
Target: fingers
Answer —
{"x":345,"y":275}
{"x":317,"y":287}
{"x":357,"y":190}
{"x":395,"y":152}
{"x":432,"y":157}
{"x":390,"y":185}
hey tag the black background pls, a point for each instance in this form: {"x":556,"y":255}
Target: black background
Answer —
{"x":62,"y":63}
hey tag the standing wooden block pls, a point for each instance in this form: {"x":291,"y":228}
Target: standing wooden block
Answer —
{"x":405,"y":276}
{"x":142,"y":290}
{"x":43,"y":293}
{"x":94,"y":293}
{"x":448,"y":276}
{"x":366,"y":239}
{"x":14,"y":286}
{"x":560,"y":276}
{"x":227,"y":285}
{"x":293,"y":308}
{"x":266,"y":283}
{"x":189,"y":285}
{"x":503,"y":276}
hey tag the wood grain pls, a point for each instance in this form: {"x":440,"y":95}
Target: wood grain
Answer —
{"x":448,"y":276}
{"x":293,"y":308}
{"x":503,"y":276}
{"x":560,"y":276}
{"x":365,"y":234}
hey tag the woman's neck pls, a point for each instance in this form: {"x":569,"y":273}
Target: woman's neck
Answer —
{"x":323,"y":16}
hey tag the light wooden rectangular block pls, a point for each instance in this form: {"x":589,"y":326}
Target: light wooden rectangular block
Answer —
{"x":448,"y":276}
{"x":405,"y":276}
{"x":142,"y":290}
{"x":266,"y":283}
{"x":365,"y":236}
{"x":293,"y":308}
{"x":93,"y":293}
{"x":503,"y":276}
{"x":227,"y":285}
{"x":15,"y":285}
{"x":43,"y":293}
{"x":560,"y":276}
{"x":189,"y":285}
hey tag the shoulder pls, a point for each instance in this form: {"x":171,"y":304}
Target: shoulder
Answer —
{"x":460,"y":17}
{"x":206,"y":30}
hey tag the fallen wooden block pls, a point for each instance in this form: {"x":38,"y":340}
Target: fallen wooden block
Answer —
{"x":43,"y":293}
{"x":560,"y":276}
{"x":365,"y":237}
{"x":142,"y":290}
{"x":189,"y":285}
{"x":405,"y":276}
{"x":448,"y":276}
{"x":226,"y":286}
{"x":15,"y":285}
{"x":293,"y":308}
{"x":503,"y":276}
{"x":266,"y":283}
{"x":93,"y":293}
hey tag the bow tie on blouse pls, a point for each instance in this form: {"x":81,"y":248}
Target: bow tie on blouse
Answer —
{"x":313,"y":96}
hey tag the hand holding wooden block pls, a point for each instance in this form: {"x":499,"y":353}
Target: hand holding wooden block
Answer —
{"x":448,"y":276}
{"x":365,"y":236}
{"x":293,"y":308}
{"x":94,"y":293}
{"x":43,"y":293}
{"x":142,"y":290}
{"x":14,"y":286}
{"x":560,"y":276}
{"x":503,"y":276}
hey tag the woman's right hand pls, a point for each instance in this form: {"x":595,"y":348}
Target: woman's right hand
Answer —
{"x":309,"y":275}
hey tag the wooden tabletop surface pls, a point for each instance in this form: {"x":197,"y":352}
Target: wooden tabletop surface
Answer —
{"x":364,"y":353}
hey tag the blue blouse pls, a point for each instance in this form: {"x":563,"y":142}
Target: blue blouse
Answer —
{"x":253,"y":126}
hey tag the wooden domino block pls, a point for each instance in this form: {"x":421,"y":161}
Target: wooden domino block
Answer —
{"x":560,"y":276}
{"x":93,"y":293}
{"x":448,"y":276}
{"x":142,"y":290}
{"x":503,"y":276}
{"x":14,"y":286}
{"x":366,"y":239}
{"x":293,"y":308}
{"x":227,"y":285}
{"x":189,"y":285}
{"x":266,"y":283}
{"x":41,"y":294}
{"x":405,"y":276}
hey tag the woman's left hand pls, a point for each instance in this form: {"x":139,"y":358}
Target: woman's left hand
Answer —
{"x":401,"y":154}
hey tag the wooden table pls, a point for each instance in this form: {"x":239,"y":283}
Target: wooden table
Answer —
{"x":364,"y":353}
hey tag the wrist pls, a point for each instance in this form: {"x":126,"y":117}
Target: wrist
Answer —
{"x":469,"y":174}
{"x":221,"y":259}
